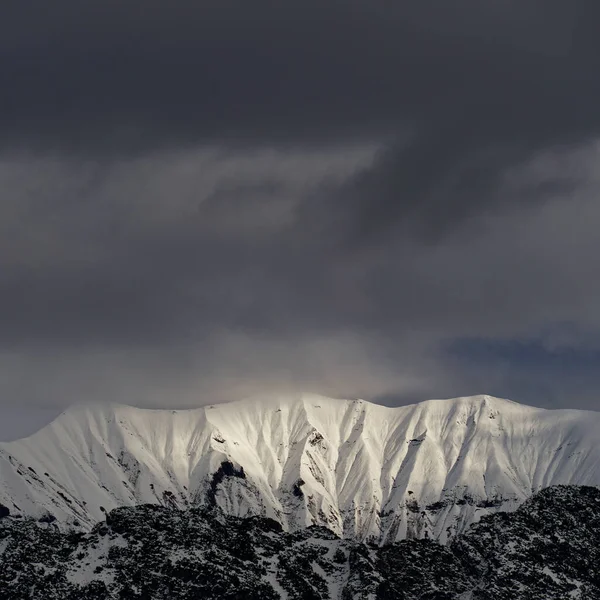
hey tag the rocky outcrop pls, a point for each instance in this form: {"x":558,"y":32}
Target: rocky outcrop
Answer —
{"x":549,"y":549}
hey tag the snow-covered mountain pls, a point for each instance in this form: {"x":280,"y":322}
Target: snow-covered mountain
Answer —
{"x":363,"y":470}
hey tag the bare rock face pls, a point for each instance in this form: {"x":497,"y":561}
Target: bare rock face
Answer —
{"x":548,"y":549}
{"x":364,"y":471}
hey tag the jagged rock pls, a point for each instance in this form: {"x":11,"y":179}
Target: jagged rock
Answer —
{"x":549,"y":549}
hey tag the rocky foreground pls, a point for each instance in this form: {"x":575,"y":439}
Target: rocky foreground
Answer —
{"x":548,"y":549}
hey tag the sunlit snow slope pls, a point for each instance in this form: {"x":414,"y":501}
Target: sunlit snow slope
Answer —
{"x":363,"y":470}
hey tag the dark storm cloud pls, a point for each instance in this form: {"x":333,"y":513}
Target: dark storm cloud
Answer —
{"x":477,"y":87}
{"x":215,"y":198}
{"x":450,"y":173}
{"x":161,"y":248}
{"x":112,"y":77}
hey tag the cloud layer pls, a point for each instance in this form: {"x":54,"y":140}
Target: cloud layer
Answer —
{"x":207,"y":200}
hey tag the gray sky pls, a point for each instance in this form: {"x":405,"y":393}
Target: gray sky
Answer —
{"x":202,"y":201}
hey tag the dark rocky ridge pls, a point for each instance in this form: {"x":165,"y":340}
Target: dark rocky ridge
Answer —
{"x":549,"y":549}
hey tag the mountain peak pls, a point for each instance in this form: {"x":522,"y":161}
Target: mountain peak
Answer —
{"x":361,"y":469}
{"x":274,"y":402}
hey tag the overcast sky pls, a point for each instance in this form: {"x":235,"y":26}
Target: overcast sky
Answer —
{"x":201,"y":201}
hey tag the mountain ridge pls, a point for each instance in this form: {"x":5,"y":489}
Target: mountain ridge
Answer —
{"x":363,"y":470}
{"x":546,"y":550}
